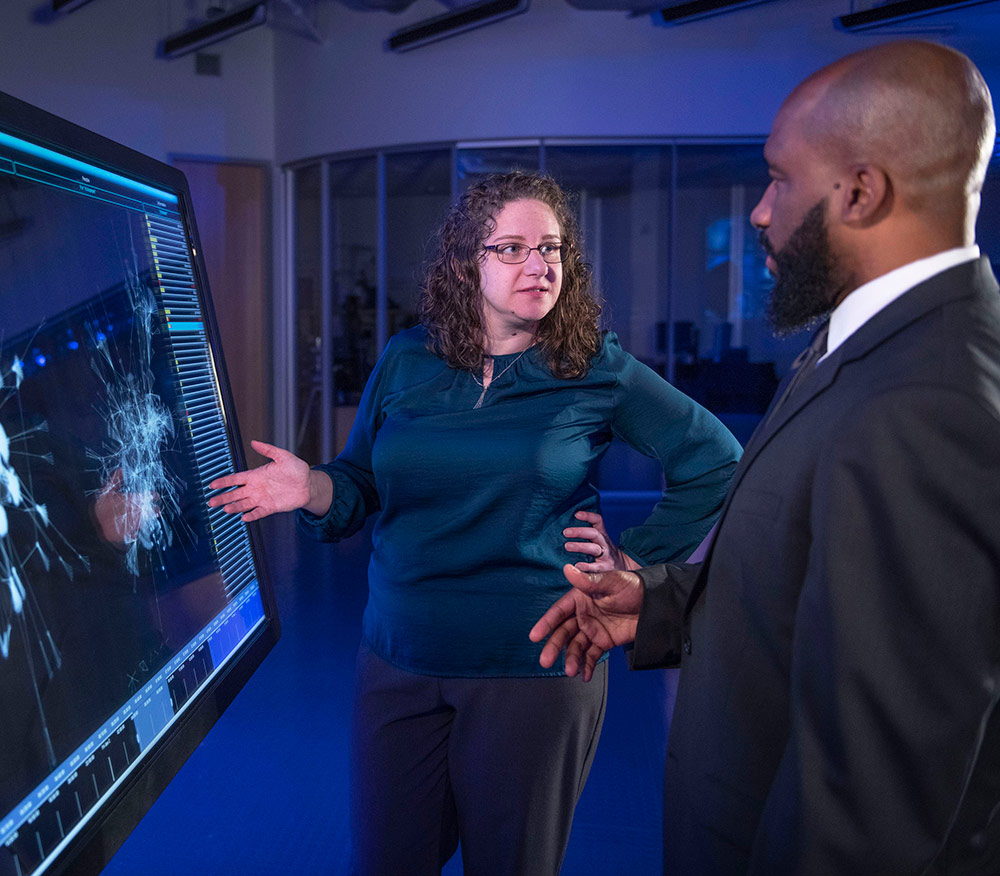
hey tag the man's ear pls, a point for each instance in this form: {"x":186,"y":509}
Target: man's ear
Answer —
{"x":866,"y":195}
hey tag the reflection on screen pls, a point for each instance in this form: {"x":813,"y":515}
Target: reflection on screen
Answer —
{"x":121,"y":592}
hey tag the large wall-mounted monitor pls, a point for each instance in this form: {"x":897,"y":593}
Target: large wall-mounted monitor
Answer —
{"x":130,"y":612}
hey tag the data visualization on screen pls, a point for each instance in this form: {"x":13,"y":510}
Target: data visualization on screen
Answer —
{"x":123,"y":596}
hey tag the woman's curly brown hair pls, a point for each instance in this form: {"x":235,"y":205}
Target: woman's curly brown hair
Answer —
{"x":451,"y":301}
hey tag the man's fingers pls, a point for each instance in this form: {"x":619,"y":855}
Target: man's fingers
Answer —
{"x":582,"y":581}
{"x":575,"y":651}
{"x":613,"y":589}
{"x":592,"y":655}
{"x":560,"y":611}
{"x":558,"y":641}
{"x":582,"y":656}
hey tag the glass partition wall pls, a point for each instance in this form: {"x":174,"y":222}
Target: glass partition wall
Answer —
{"x":666,"y":227}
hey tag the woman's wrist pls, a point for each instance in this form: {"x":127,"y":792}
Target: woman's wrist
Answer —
{"x":320,"y":492}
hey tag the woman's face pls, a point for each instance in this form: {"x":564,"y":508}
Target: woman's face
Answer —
{"x":516,"y":297}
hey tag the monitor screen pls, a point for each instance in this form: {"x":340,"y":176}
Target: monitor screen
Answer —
{"x":130,"y":612}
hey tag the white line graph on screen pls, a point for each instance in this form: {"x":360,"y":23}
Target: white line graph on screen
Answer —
{"x":136,"y":507}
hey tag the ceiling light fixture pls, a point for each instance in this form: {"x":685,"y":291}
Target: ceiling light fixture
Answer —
{"x":451,"y":23}
{"x":67,"y":5}
{"x":901,"y":10}
{"x":217,"y":29}
{"x":678,"y":13}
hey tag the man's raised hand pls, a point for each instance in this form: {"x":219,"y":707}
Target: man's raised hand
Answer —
{"x":601,"y":610}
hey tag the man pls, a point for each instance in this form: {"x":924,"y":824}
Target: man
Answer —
{"x":840,"y":643}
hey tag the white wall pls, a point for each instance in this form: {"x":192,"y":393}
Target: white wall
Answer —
{"x":98,"y":67}
{"x":559,"y":71}
{"x":554,"y":71}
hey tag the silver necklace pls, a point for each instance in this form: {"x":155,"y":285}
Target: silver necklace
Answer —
{"x":485,"y":386}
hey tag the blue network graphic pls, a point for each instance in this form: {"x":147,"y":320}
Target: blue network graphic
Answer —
{"x":141,"y":492}
{"x":18,"y":606}
{"x":135,"y":510}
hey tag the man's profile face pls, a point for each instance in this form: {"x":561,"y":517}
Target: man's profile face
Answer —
{"x":793,"y":219}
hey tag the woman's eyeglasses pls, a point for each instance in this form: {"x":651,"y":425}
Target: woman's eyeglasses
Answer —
{"x":517,"y":253}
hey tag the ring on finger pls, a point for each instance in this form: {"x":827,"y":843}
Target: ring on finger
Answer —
{"x":601,"y":554}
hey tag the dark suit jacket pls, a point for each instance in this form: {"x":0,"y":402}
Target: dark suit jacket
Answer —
{"x":837,"y":710}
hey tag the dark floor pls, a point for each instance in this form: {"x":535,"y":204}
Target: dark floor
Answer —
{"x":266,"y":792}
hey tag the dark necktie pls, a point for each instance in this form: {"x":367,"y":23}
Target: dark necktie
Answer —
{"x":804,"y":365}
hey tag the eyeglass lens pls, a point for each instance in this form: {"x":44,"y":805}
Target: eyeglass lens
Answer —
{"x":516,"y":253}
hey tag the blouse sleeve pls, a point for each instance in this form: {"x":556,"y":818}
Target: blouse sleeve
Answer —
{"x":697,"y":453}
{"x":355,"y":495}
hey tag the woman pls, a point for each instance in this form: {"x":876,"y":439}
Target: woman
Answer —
{"x":474,"y":439}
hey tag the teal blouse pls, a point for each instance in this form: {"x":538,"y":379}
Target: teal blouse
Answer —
{"x":468,"y":548}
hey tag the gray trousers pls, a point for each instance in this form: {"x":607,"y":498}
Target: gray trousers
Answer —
{"x":498,"y":763}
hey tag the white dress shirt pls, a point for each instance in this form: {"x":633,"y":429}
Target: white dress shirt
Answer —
{"x":867,"y":300}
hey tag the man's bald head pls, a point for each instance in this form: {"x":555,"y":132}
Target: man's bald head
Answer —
{"x":919,"y":110}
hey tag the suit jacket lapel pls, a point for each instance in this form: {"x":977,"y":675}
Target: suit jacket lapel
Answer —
{"x":950,"y":285}
{"x":970,"y":278}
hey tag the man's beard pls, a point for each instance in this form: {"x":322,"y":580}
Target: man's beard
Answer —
{"x":809,"y":278}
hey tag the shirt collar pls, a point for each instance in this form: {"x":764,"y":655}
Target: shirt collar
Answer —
{"x":867,"y":300}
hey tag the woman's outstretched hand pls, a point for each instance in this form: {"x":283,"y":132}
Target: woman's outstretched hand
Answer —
{"x":285,"y":483}
{"x":593,"y":539}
